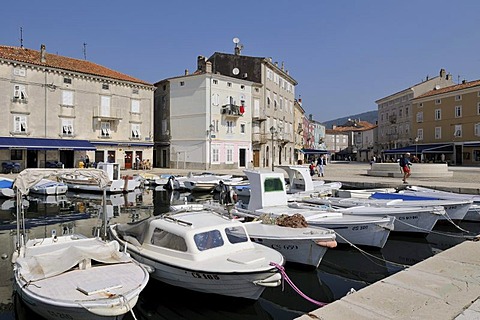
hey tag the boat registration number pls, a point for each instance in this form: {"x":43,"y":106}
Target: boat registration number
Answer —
{"x":359,"y":227}
{"x":59,"y":315}
{"x":207,"y":276}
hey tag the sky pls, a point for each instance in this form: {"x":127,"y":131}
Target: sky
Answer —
{"x":344,"y":54}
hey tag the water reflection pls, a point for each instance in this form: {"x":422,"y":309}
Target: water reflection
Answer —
{"x":342,"y":268}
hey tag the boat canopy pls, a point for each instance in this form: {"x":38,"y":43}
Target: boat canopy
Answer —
{"x":27,"y":178}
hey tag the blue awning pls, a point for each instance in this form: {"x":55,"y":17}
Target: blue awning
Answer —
{"x":422,"y":148}
{"x":472,"y":144}
{"x":314,"y":151}
{"x":44,"y":144}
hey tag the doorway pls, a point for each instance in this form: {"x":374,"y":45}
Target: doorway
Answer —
{"x":128,"y":159}
{"x":242,"y":153}
{"x":458,"y":155}
{"x":66,"y":157}
{"x":32,"y":159}
{"x":256,"y":158}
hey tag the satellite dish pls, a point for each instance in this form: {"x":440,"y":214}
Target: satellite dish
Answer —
{"x":236,"y":40}
{"x":235,"y":71}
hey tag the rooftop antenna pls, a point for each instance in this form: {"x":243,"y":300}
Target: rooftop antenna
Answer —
{"x":85,"y":51}
{"x":238,"y":46}
{"x":21,"y":37}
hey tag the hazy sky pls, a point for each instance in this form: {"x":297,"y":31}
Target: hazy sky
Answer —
{"x":343,"y":54}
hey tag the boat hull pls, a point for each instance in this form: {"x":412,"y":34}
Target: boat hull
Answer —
{"x":235,"y":284}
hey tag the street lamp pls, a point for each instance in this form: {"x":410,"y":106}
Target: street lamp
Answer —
{"x":273,"y":130}
{"x":416,"y":146}
{"x":211,"y":128}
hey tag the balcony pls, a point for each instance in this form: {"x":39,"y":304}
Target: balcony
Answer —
{"x":107,"y":115}
{"x":285,"y":138}
{"x":259,"y":138}
{"x":259,"y":116}
{"x":231,"y":110}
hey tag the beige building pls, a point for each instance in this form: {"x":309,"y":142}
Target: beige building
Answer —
{"x":395,"y":115}
{"x":60,"y":109}
{"x":273,"y":114}
{"x":447,"y":124}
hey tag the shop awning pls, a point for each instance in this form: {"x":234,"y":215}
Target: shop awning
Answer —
{"x":472,"y":144}
{"x":314,"y":151}
{"x":422,"y":148}
{"x":44,"y":144}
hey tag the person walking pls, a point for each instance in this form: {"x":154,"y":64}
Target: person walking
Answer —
{"x":320,"y":166}
{"x":87,"y":161}
{"x":405,"y":165}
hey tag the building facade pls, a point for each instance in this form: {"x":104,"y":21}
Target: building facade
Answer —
{"x":395,"y":115}
{"x":273,"y":124}
{"x":59,"y":109}
{"x":447,"y":124}
{"x":204,"y":120}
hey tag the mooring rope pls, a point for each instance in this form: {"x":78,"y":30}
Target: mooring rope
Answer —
{"x":294,"y":287}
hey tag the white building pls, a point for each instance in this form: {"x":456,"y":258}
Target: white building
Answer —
{"x":57,"y":108}
{"x":204,"y":120}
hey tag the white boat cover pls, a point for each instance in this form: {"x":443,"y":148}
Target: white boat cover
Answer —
{"x":52,"y":263}
{"x":27,"y":178}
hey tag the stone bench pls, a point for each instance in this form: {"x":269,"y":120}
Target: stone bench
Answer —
{"x":419,"y":170}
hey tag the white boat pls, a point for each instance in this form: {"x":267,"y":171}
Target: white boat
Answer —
{"x":209,"y":183}
{"x":455,"y":209}
{"x":6,"y":188}
{"x":78,"y":182}
{"x":297,"y":242}
{"x":71,"y":276}
{"x":154,"y":179}
{"x":301,"y":182}
{"x":269,"y":197}
{"x":202,"y":251}
{"x":178,"y":182}
{"x":49,"y":187}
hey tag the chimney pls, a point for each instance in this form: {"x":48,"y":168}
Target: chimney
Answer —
{"x":186,"y":72}
{"x":300,"y":101}
{"x":310,"y":117}
{"x":43,"y":54}
{"x":449,"y":76}
{"x":283,"y":66}
{"x":442,"y":73}
{"x":208,"y":67}
{"x":201,"y":63}
{"x":464,"y":81}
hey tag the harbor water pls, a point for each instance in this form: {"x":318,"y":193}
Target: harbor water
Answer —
{"x":343,"y":269}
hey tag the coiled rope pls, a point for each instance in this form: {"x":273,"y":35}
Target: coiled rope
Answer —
{"x":294,"y":287}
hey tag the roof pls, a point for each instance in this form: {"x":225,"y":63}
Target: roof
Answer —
{"x":357,"y":125}
{"x":450,"y":89}
{"x":29,"y":56}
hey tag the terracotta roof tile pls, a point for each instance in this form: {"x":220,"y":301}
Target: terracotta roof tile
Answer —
{"x":450,"y":89}
{"x":59,"y":62}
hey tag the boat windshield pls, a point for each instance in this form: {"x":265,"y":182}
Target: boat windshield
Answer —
{"x":208,"y":240}
{"x":236,"y":235}
{"x":273,"y":184}
{"x":165,"y":239}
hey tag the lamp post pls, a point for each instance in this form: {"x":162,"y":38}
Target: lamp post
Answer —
{"x":273,"y":130}
{"x":211,"y":128}
{"x":416,"y":147}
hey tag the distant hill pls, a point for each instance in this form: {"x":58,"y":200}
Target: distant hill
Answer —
{"x":370,"y":116}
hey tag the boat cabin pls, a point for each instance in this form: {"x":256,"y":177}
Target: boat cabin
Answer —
{"x":266,"y":189}
{"x":111,"y":168}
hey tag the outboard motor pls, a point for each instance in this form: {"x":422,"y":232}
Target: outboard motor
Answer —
{"x":227,"y":195}
{"x":171,"y":184}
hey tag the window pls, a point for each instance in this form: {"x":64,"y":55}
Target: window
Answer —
{"x":215,"y":154}
{"x":438,"y":114}
{"x":105,"y":86}
{"x":273,"y":184}
{"x":242,"y":128}
{"x":16,"y":154}
{"x":165,"y":239}
{"x":478,"y":108}
{"x":229,"y":150}
{"x":438,"y":132}
{"x":67,"y":98}
{"x":21,"y":72}
{"x":420,"y":104}
{"x":458,"y":97}
{"x":105,"y":127}
{"x":208,"y":240}
{"x":19,"y":92}
{"x":406,"y":111}
{"x":215,"y":99}
{"x":135,"y":91}
{"x":182,"y":83}
{"x":67,"y":127}
{"x":229,"y":126}
{"x":242,"y":87}
{"x":135,"y":106}
{"x":236,"y":235}
{"x":20,"y":124}
{"x":477,"y":129}
{"x":229,"y":84}
{"x":420,"y":117}
{"x":458,"y":111}
{"x":136,"y":131}
{"x":105,"y":106}
{"x":438,"y":101}
{"x":67,"y":80}
{"x":215,"y":81}
{"x":420,"y":134}
{"x":458,"y":130}
{"x":476,"y":155}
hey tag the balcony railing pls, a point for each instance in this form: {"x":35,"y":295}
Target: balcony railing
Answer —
{"x":110,"y":115}
{"x":231,"y":110}
{"x":259,"y":138}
